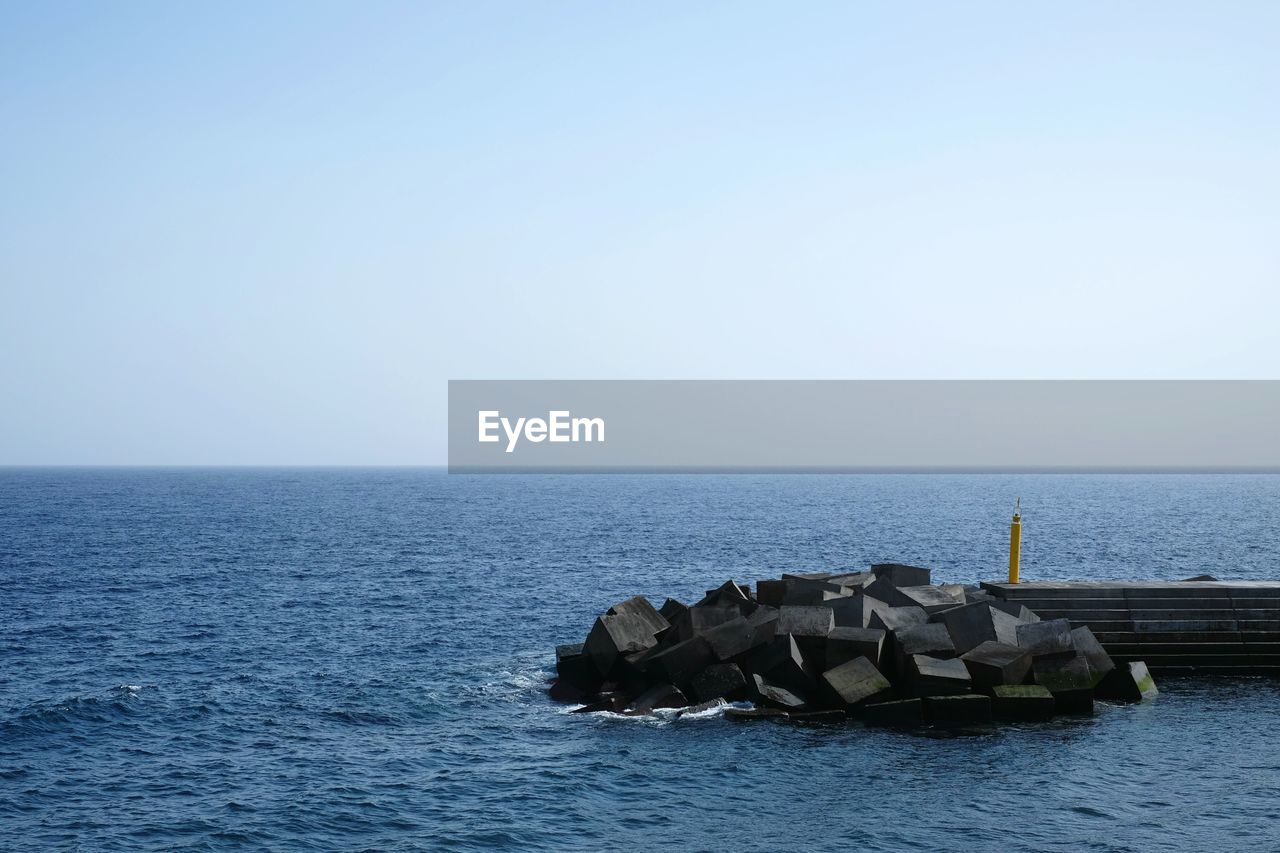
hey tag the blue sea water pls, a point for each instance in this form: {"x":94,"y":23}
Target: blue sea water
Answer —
{"x":355,"y":660}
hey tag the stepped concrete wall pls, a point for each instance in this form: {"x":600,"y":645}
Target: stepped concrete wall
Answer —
{"x":1224,"y":627}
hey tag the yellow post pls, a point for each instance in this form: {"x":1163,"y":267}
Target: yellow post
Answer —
{"x":1015,"y":542}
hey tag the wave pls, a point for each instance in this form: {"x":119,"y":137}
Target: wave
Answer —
{"x":47,"y":718}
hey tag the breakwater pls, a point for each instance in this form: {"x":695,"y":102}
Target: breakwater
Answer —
{"x":883,"y":644}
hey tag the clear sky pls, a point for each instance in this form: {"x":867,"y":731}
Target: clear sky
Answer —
{"x":270,"y":232}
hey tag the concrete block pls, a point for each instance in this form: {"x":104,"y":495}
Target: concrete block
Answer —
{"x":764,"y":625}
{"x":568,"y":650}
{"x":854,"y":611}
{"x":771,"y":592}
{"x":883,"y":589}
{"x":855,"y":682}
{"x":845,"y":644}
{"x":672,"y":610}
{"x":563,"y":691}
{"x":631,"y":670}
{"x":678,"y":664}
{"x":719,"y":681}
{"x":747,"y":715}
{"x":1013,"y":608}
{"x":576,"y":667}
{"x":1050,"y":637}
{"x":640,"y":606}
{"x":784,"y":662}
{"x":617,"y":634}
{"x":777,"y":696}
{"x":809,"y":626}
{"x":658,"y":696}
{"x":733,"y":638}
{"x":812,"y":592}
{"x":807,"y":596}
{"x":805,"y":621}
{"x":930,"y":676}
{"x":900,"y":712}
{"x":1100,"y":663}
{"x":971,"y":625}
{"x":852,"y":579}
{"x":1022,"y":702}
{"x":901,"y":575}
{"x":1063,"y":673}
{"x":928,"y":639}
{"x":805,"y":576}
{"x":944,"y":710}
{"x":1068,"y":678}
{"x":940,"y":616}
{"x":1128,"y":683}
{"x":634,"y":665}
{"x":1142,"y":679}
{"x":730,"y":595}
{"x":698,"y":620}
{"x":991,"y":664}
{"x":976,"y":593}
{"x":931,"y":598}
{"x":727,"y":594}
{"x":893,"y":618}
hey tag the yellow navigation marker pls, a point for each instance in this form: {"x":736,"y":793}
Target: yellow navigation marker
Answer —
{"x":1015,"y":542}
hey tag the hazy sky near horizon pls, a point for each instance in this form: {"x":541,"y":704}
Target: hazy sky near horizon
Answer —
{"x":237,"y":233}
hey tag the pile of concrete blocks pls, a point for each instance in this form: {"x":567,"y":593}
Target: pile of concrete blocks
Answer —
{"x":885,"y":645}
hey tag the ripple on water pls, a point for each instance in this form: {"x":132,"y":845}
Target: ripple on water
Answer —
{"x":357,"y":660}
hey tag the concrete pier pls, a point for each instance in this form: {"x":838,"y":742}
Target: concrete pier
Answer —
{"x":1216,"y":627}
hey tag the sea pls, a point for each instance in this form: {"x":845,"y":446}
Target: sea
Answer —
{"x":356,"y":659}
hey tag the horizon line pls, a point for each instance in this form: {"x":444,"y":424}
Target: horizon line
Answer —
{"x":659,"y":469}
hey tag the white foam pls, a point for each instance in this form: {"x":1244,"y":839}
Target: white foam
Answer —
{"x":710,"y":713}
{"x":664,"y":716}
